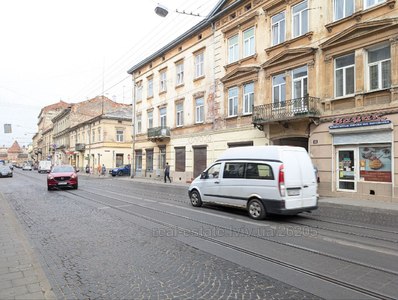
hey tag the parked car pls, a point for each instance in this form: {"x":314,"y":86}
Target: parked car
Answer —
{"x":120,"y":171}
{"x":26,"y":167}
{"x":263,"y":180}
{"x":5,"y":171}
{"x":62,"y":176}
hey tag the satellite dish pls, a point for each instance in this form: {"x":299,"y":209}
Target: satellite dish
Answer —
{"x":161,"y":10}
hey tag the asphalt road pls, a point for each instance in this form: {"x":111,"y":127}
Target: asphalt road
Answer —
{"x":121,"y":239}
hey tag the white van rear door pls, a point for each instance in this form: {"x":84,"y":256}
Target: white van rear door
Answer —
{"x":309,"y":190}
{"x":299,"y":179}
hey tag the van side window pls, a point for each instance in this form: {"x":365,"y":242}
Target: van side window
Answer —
{"x":259,"y":171}
{"x":213,"y":172}
{"x":234,"y":170}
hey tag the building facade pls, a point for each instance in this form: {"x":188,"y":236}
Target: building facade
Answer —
{"x":318,"y":74}
{"x":102,"y":140}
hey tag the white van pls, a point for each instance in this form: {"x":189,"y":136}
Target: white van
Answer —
{"x":44,"y":166}
{"x":262,"y":179}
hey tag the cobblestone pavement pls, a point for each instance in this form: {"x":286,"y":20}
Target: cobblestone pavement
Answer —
{"x":21,"y":276}
{"x":89,"y":253}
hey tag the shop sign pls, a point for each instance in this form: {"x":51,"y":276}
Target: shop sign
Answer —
{"x":359,"y":121}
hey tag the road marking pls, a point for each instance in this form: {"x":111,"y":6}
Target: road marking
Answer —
{"x":104,"y":207}
{"x":361,"y":246}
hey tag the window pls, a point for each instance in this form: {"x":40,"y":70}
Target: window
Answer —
{"x":259,"y":171}
{"x":343,"y":8}
{"x":150,"y":88}
{"x":163,"y":116}
{"x":278,"y":28}
{"x":233,"y":101}
{"x":233,"y":49}
{"x":99,"y":135}
{"x":163,"y":81}
{"x":199,"y":110}
{"x":93,"y":135}
{"x":139,"y":93}
{"x":180,"y":73}
{"x":180,"y":159}
{"x":248,"y":42}
{"x":248,"y":98}
{"x":179,"y":114}
{"x":212,"y":172}
{"x":150,"y":119}
{"x":379,"y":68}
{"x":369,"y":3}
{"x":344,"y":75}
{"x":234,"y":170}
{"x":300,"y":82}
{"x":139,"y":123}
{"x":199,"y":62}
{"x":300,"y":19}
{"x":119,"y":135}
{"x":278,"y":91}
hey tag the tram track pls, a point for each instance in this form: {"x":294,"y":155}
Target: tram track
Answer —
{"x":93,"y":197}
{"x":171,"y":197}
{"x":249,"y":252}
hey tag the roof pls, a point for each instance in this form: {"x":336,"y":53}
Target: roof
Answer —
{"x":54,"y":106}
{"x":122,"y":113}
{"x":216,"y":12}
{"x":15,"y":148}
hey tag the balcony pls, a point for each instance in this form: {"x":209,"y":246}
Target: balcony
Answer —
{"x":294,"y":109}
{"x":80,"y":147}
{"x":158,"y":133}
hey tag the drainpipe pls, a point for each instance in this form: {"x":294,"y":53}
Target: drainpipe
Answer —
{"x":133,"y":130}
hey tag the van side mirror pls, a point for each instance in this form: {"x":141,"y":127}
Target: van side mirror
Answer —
{"x":203,"y":175}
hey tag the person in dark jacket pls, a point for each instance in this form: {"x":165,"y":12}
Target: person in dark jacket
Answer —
{"x":167,"y":173}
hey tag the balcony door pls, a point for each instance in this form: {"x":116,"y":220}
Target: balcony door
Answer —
{"x":300,"y":90}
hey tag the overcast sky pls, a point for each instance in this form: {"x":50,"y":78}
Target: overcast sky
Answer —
{"x":73,"y":50}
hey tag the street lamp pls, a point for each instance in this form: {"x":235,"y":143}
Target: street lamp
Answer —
{"x":162,"y":11}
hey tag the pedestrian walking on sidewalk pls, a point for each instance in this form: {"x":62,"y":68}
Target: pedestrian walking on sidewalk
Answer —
{"x":99,"y":169}
{"x":103,"y":169}
{"x":167,"y":173}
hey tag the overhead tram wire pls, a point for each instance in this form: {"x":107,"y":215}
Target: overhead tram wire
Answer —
{"x":154,"y":45}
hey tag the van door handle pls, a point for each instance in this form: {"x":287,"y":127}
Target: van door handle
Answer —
{"x":305,"y":186}
{"x":216,"y":182}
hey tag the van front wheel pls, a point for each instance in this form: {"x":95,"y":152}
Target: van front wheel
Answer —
{"x":195,"y":198}
{"x":256,"y":209}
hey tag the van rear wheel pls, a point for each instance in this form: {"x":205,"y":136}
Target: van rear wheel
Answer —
{"x":195,"y":198}
{"x":256,"y":209}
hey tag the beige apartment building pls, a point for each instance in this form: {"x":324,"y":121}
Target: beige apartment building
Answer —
{"x":42,"y":141}
{"x":317,"y":74}
{"x":102,"y":140}
{"x":82,"y":133}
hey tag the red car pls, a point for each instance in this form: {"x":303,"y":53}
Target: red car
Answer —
{"x":62,"y":176}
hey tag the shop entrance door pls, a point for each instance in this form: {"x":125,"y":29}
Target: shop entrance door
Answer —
{"x":346,"y":172}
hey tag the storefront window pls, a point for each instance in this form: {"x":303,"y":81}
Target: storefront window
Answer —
{"x":375,"y":163}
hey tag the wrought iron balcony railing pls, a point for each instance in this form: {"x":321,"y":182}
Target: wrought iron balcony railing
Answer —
{"x":80,"y":147}
{"x":288,"y":110}
{"x":158,"y":133}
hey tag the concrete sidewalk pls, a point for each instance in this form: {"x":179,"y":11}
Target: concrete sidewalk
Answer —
{"x":21,"y":276}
